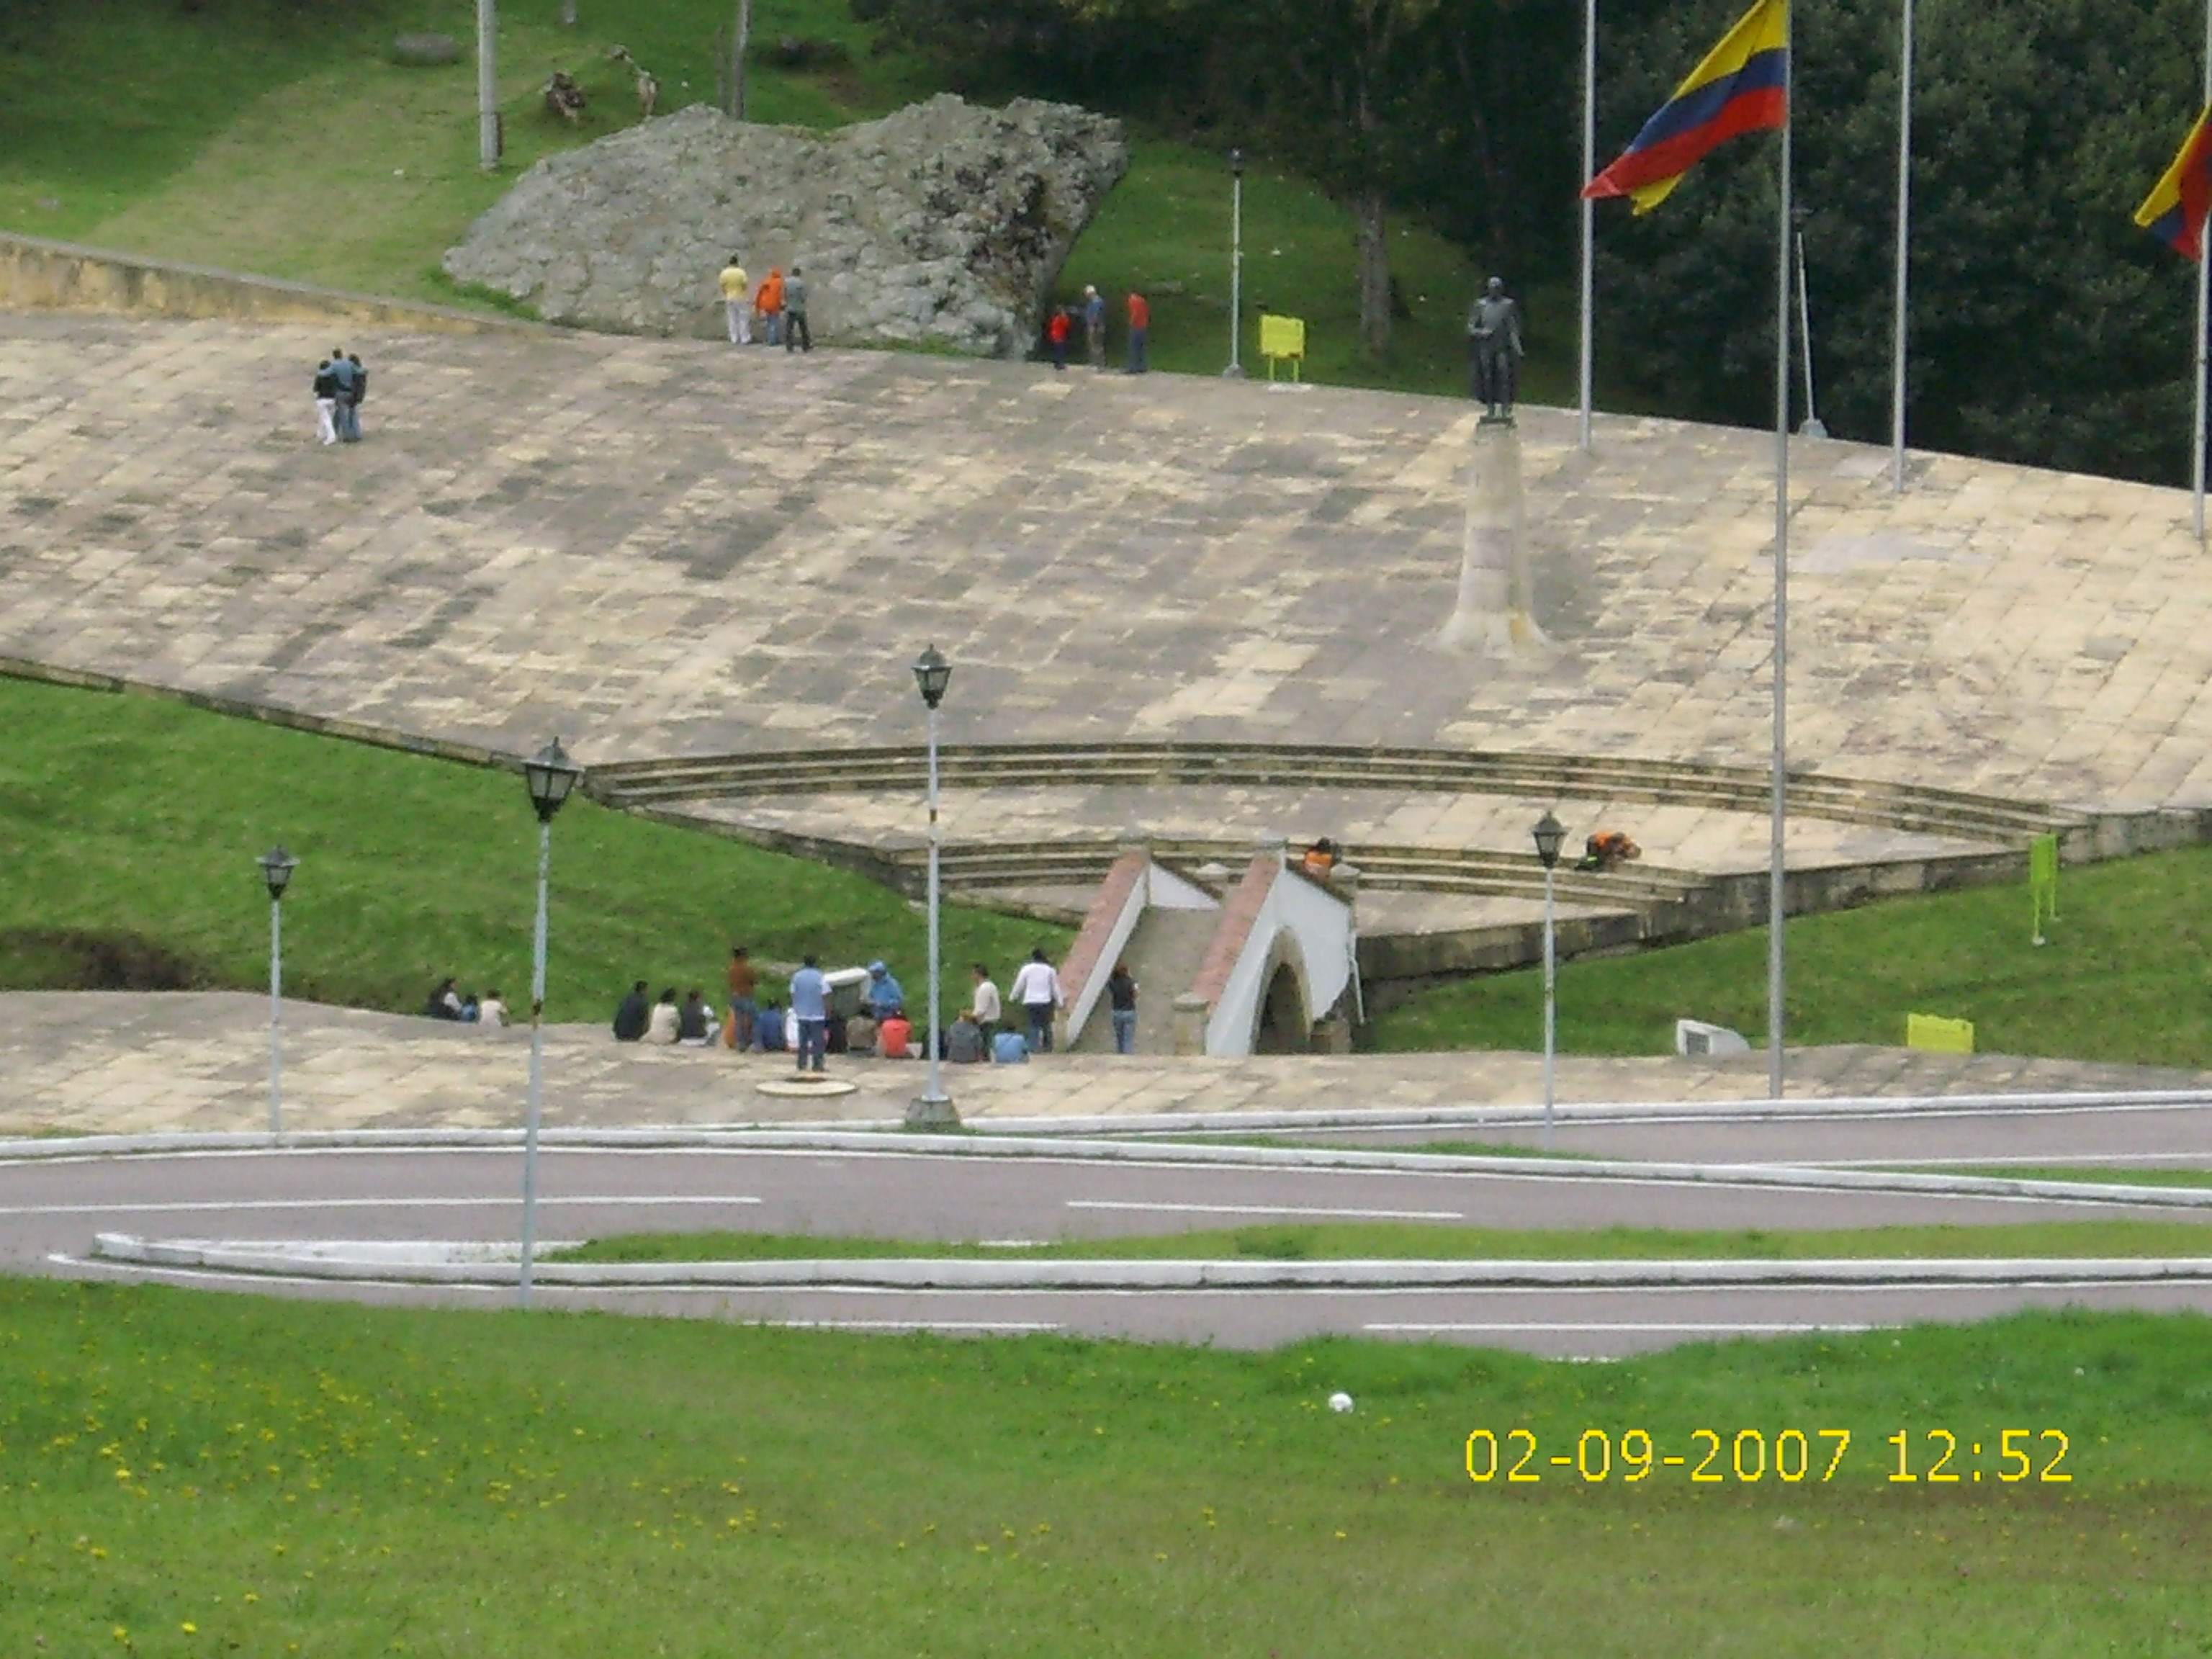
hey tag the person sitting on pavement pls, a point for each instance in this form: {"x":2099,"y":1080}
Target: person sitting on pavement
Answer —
{"x":444,"y":1002}
{"x":861,"y":1034}
{"x":491,"y":1013}
{"x":666,"y":1020}
{"x":1319,"y":858}
{"x":883,"y":997}
{"x":1010,"y":1048}
{"x":985,"y":1010}
{"x":963,"y":1043}
{"x":633,"y":1016}
{"x":893,"y":1036}
{"x":692,"y":1021}
{"x":767,"y":1028}
{"x":470,"y":1007}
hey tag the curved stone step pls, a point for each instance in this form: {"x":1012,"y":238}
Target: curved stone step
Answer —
{"x":1882,"y":804}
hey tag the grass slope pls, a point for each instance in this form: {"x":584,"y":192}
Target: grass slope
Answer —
{"x":268,"y":137}
{"x":1410,"y":1242}
{"x":185,"y":1474}
{"x":2121,"y":979}
{"x":135,"y":816}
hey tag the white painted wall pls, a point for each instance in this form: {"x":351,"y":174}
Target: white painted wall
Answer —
{"x":1125,"y":924}
{"x":1322,"y":939}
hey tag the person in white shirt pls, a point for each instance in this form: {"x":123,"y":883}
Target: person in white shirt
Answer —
{"x":985,"y":1010}
{"x":666,"y":1016}
{"x":1036,"y":987}
{"x":491,"y":1013}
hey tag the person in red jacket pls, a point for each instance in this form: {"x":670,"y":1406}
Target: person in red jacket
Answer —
{"x":1055,"y":334}
{"x":1141,"y":325}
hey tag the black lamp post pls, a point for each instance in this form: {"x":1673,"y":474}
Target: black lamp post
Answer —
{"x":933,"y":1110}
{"x":1550,"y":835}
{"x":276,"y":867}
{"x":550,"y":775}
{"x":1236,"y":369}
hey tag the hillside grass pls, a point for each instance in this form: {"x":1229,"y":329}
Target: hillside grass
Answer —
{"x":260,"y":136}
{"x":185,"y":1475}
{"x":136,"y":821}
{"x":2124,"y":977}
{"x":1413,"y":1241}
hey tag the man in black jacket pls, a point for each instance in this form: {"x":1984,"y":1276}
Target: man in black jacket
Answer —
{"x":326,"y":403}
{"x":634,"y":1016}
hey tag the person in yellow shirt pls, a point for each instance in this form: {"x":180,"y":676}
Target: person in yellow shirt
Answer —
{"x":737,"y":302}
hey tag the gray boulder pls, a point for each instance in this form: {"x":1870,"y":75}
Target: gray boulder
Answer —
{"x":946,"y":223}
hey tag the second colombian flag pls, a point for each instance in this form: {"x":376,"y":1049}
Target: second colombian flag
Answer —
{"x":1741,"y":87}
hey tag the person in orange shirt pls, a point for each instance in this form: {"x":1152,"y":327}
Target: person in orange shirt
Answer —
{"x":768,"y":301}
{"x":1141,"y":325}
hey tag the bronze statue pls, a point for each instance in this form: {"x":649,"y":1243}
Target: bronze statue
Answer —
{"x":1494,"y":350}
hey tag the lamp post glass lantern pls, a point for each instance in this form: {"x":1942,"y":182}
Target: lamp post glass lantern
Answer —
{"x":276,"y":867}
{"x":933,"y":1110}
{"x":1550,"y":835}
{"x":550,"y":776}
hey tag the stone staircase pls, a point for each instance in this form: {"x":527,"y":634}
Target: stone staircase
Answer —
{"x":1908,"y":807}
{"x":1163,"y":955}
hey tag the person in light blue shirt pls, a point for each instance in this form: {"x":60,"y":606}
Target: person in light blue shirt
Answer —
{"x":809,"y":1012}
{"x":883,"y":996}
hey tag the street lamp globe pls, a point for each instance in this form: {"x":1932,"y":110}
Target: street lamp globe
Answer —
{"x":1550,"y":835}
{"x":932,"y":674}
{"x":1236,"y":162}
{"x":550,"y":775}
{"x":276,"y":868}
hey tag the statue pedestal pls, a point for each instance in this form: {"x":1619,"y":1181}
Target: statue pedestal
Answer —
{"x":1495,"y":612}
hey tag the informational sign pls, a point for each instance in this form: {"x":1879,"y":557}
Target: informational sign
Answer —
{"x":1283,"y":340}
{"x":1935,"y":1035}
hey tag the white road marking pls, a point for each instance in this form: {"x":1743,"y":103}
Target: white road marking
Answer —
{"x":407,"y":1203}
{"x":1704,"y":1328}
{"x":1263,"y":1209}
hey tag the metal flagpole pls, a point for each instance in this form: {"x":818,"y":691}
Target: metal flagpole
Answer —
{"x":1780,"y":808}
{"x":2204,"y":320}
{"x":1897,"y":327}
{"x":1589,"y":223}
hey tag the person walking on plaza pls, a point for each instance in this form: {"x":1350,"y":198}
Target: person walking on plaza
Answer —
{"x":341,"y":381}
{"x":326,"y":403}
{"x":744,"y":986}
{"x":1036,"y":987}
{"x":1056,"y":334}
{"x":768,"y":300}
{"x":1121,"y":997}
{"x":1094,"y":325}
{"x":737,"y":302}
{"x":809,"y":1012}
{"x":796,"y":334}
{"x":986,"y":1009}
{"x":349,"y":407}
{"x":1140,"y":329}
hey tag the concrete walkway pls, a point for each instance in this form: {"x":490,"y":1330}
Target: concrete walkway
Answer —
{"x":91,"y":1062}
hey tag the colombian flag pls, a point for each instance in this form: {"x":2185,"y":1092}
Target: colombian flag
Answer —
{"x":2174,"y":211}
{"x":1740,"y":88}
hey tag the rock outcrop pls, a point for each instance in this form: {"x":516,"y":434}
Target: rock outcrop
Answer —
{"x":946,"y":224}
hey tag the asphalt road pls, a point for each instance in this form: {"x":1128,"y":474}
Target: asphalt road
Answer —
{"x":50,"y":1209}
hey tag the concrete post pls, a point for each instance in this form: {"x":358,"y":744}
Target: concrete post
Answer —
{"x":1494,"y":614}
{"x":1189,"y":1024}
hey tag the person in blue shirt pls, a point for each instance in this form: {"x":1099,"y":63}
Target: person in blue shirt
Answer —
{"x":809,"y":1012}
{"x":883,"y":996}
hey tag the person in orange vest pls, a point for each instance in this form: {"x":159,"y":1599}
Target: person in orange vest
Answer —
{"x":1055,"y":334}
{"x":1140,"y":325}
{"x":1607,"y":850}
{"x":768,"y":300}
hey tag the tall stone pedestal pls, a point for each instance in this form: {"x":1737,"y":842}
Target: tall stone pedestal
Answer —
{"x":1495,"y":614}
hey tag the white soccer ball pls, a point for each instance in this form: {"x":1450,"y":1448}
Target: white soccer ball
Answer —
{"x":1339,"y":1402}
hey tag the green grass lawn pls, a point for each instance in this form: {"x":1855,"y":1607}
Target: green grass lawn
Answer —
{"x":2122,"y":979}
{"x":138,"y":820}
{"x":1414,"y":1242}
{"x":271,"y":138}
{"x":185,"y":1474}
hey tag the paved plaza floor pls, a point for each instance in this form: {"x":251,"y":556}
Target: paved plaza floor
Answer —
{"x":87,"y":1063}
{"x":665,"y":548}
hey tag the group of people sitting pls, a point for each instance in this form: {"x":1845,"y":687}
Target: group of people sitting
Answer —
{"x":446,"y":1001}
